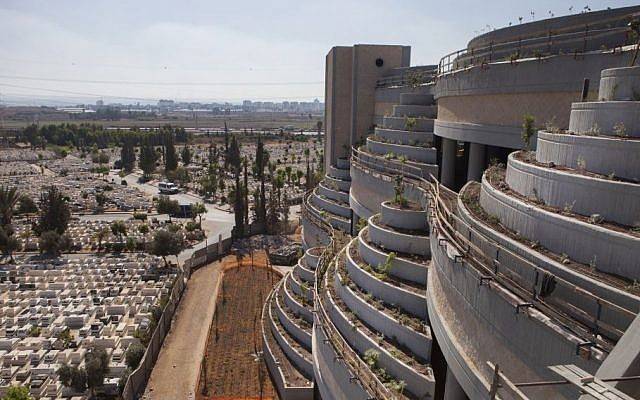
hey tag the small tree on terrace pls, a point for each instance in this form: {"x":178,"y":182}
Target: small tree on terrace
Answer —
{"x":166,"y":243}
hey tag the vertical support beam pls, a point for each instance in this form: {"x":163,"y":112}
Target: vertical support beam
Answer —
{"x":477,"y":161}
{"x":448,"y":174}
{"x":453,"y":390}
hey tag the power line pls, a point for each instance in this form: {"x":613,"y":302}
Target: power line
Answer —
{"x":118,"y":82}
{"x":149,"y":99}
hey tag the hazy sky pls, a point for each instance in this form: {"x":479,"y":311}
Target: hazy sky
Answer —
{"x":231,"y":50}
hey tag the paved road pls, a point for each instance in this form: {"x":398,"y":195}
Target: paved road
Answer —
{"x":215,"y":221}
{"x":175,"y":374}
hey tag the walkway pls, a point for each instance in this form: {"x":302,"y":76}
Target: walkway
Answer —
{"x":175,"y":374}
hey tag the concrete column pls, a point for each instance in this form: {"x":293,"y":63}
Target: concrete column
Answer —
{"x":477,"y":161}
{"x":448,"y":173}
{"x":452,"y":389}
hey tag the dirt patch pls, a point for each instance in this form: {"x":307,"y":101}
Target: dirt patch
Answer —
{"x":232,"y":368}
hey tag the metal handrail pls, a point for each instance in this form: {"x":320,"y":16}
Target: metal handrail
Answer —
{"x":470,"y":252}
{"x":486,"y":54}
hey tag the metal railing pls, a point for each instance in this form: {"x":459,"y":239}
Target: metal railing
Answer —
{"x":573,"y":317}
{"x":539,"y":46}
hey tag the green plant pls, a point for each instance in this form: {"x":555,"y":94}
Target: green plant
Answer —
{"x":581,"y":163}
{"x":410,"y":123}
{"x":398,"y":189}
{"x":371,"y":358}
{"x":620,"y":130}
{"x":384,"y":268}
{"x":528,"y":129}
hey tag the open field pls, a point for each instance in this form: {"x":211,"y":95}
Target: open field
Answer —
{"x":232,"y":369}
{"x":237,"y":121}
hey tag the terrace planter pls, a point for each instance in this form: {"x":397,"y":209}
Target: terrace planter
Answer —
{"x":397,"y":241}
{"x":393,"y":215}
{"x":413,"y":303}
{"x":401,"y":268}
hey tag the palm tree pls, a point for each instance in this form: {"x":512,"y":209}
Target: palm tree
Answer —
{"x":8,"y":199}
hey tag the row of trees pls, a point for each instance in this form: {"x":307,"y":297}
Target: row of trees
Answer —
{"x":85,"y":136}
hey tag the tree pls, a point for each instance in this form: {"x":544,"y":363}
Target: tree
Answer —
{"x":8,"y":199}
{"x":128,"y":155}
{"x":65,"y":374}
{"x":166,"y":243}
{"x":100,"y":235}
{"x":8,"y":242}
{"x":18,"y":393}
{"x":54,"y":212}
{"x":186,"y":155}
{"x":134,"y":355}
{"x":261,"y":161}
{"x":198,"y":209}
{"x":119,"y":229}
{"x":167,"y":206}
{"x":170,"y":157}
{"x":50,"y":243}
{"x":238,"y":206}
{"x":26,"y":205}
{"x":96,"y":366}
{"x":148,"y":158}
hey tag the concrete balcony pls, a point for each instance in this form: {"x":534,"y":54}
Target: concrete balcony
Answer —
{"x":404,"y":137}
{"x":300,"y":357}
{"x":415,"y":336}
{"x":332,"y":206}
{"x":342,"y":163}
{"x":602,"y":117}
{"x":333,"y":377}
{"x":400,"y":123}
{"x":342,"y":185}
{"x":289,"y":382}
{"x":299,"y":288}
{"x":409,"y":298}
{"x":476,"y":323}
{"x":332,"y":194}
{"x":298,"y":328}
{"x":614,"y":201}
{"x":312,"y":235}
{"x":416,"y":99}
{"x":392,"y":239}
{"x":610,"y":251}
{"x":417,"y":377}
{"x":409,"y":269}
{"x":312,"y":256}
{"x":601,"y":154}
{"x":338,"y":173}
{"x":425,"y":155}
{"x":306,"y":274}
{"x":414,"y":111}
{"x":336,"y":221}
{"x":411,"y":217}
{"x":519,"y":259}
{"x":296,"y":304}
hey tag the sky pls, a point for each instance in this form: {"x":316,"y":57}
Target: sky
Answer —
{"x":143,"y":50}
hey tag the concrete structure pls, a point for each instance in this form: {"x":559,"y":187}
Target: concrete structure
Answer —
{"x":530,"y":273}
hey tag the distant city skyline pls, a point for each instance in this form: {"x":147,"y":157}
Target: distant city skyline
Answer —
{"x":128,"y":52}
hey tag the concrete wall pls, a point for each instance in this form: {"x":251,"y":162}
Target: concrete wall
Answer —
{"x":612,"y":252}
{"x":338,"y":77}
{"x":601,"y":154}
{"x":613,"y":200}
{"x":478,"y":323}
{"x":365,"y":74}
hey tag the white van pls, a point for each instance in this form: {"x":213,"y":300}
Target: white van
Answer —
{"x":167,"y":188}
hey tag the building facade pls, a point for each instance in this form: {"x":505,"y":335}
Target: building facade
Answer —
{"x":475,"y":235}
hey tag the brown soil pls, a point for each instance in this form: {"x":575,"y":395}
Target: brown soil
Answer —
{"x":232,"y":370}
